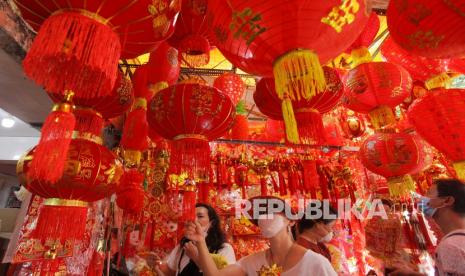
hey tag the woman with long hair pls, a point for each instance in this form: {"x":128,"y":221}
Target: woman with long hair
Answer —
{"x":184,"y":258}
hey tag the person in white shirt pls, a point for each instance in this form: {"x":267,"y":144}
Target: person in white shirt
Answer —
{"x":184,"y":258}
{"x":445,"y":203}
{"x":284,"y":257}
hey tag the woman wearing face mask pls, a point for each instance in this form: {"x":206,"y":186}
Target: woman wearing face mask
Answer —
{"x":284,"y":257}
{"x":313,"y":233}
{"x":184,"y":259}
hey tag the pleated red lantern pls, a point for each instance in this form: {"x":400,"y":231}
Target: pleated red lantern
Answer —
{"x":163,"y":68}
{"x":231,"y":85}
{"x":439,"y":119}
{"x":394,"y":156}
{"x":80,"y":43}
{"x":266,"y":100}
{"x":92,"y":172}
{"x":190,"y":115}
{"x":430,"y":28}
{"x":420,"y":68}
{"x":191,"y":33}
{"x":272,"y":38}
{"x":375,"y":88}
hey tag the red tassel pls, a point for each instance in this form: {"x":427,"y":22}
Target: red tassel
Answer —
{"x":74,"y":52}
{"x":310,"y":177}
{"x":188,"y":204}
{"x":310,"y":126}
{"x":88,"y":121}
{"x":130,"y":196}
{"x":282,"y":184}
{"x":263,"y":186}
{"x":275,"y":184}
{"x":135,"y":130}
{"x":191,"y":156}
{"x":324,"y":186}
{"x":242,"y":178}
{"x":293,"y":181}
{"x":204,"y":191}
{"x":240,"y":128}
{"x":50,"y":154}
{"x":61,"y":220}
{"x":222,"y":173}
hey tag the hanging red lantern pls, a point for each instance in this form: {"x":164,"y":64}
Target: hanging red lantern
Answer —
{"x":130,"y":194}
{"x":419,"y":27}
{"x":375,"y":88}
{"x":420,"y":68}
{"x":163,"y":68}
{"x":231,"y":85}
{"x":394,"y":156}
{"x":191,"y":33}
{"x":438,"y":118}
{"x":266,"y":100}
{"x":80,"y":43}
{"x":190,"y":115}
{"x":240,"y":128}
{"x":250,"y":35}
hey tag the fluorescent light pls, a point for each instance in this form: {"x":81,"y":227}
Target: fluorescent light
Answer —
{"x":8,"y":122}
{"x":16,"y":157}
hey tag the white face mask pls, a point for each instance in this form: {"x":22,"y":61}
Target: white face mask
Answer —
{"x":270,"y":227}
{"x":328,"y":237}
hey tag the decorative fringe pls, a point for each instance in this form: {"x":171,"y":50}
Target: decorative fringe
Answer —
{"x":441,"y":80}
{"x":382,"y":116}
{"x":241,"y":177}
{"x":204,"y":191}
{"x":359,"y":56}
{"x":74,"y":52}
{"x":401,"y":186}
{"x":299,"y":74}
{"x":130,"y":196}
{"x":460,"y":169}
{"x":282,"y":184}
{"x":310,"y":126}
{"x":88,"y":121}
{"x":195,"y":50}
{"x":222,"y":173}
{"x":310,"y":177}
{"x":263,"y":186}
{"x":61,"y":220}
{"x":188,"y":203}
{"x":293,"y":181}
{"x":289,"y":121}
{"x":135,"y":131}
{"x":192,"y":156}
{"x":50,"y":154}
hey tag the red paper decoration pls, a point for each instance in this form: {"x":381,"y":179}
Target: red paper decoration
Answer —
{"x":438,"y":117}
{"x":392,"y":155}
{"x":231,"y":85}
{"x":430,"y":28}
{"x":163,"y":67}
{"x":130,"y":195}
{"x":375,"y":88}
{"x":266,"y":100}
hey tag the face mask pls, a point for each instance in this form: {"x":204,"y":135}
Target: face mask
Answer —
{"x":423,"y":205}
{"x":328,"y":237}
{"x":270,"y":227}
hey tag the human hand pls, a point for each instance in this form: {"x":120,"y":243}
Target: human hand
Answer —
{"x":194,"y":232}
{"x":191,"y":251}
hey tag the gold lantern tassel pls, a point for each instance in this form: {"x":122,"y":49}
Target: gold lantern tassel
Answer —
{"x":289,"y":121}
{"x":359,"y":56}
{"x":441,"y":80}
{"x":381,"y":117}
{"x":401,"y":186}
{"x":460,"y":169}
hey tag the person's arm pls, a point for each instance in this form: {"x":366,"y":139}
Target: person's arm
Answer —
{"x":207,"y":265}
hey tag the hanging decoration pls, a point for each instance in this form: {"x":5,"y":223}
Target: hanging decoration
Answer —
{"x":163,"y":68}
{"x":232,"y":85}
{"x":240,"y":128}
{"x":359,"y":49}
{"x":266,"y":101}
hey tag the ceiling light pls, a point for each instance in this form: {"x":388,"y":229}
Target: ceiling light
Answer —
{"x":8,"y":122}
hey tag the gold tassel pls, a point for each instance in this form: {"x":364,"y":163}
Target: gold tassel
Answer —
{"x":460,"y":169}
{"x":401,"y":186}
{"x":441,"y":80}
{"x":132,"y":158}
{"x":299,"y":74}
{"x":382,"y":116}
{"x":359,"y":56}
{"x":289,"y":121}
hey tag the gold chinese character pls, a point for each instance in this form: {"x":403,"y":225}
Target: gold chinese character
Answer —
{"x":342,"y":15}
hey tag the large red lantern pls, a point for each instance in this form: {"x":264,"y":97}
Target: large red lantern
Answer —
{"x":420,"y":68}
{"x":191,"y":33}
{"x":272,"y":38}
{"x":163,"y":67}
{"x":375,"y":88}
{"x":439,"y":118}
{"x":80,"y":42}
{"x":394,"y":156}
{"x":430,"y":28}
{"x":190,"y":115}
{"x":232,"y":85}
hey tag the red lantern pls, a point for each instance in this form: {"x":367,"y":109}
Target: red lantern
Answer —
{"x":250,"y":34}
{"x":392,"y":155}
{"x":439,"y":118}
{"x":430,"y":28}
{"x":266,"y":100}
{"x":130,"y":195}
{"x":420,"y":68}
{"x":375,"y":88}
{"x":163,"y":67}
{"x":231,"y":85}
{"x":359,"y":49}
{"x":191,"y":33}
{"x":190,"y":115}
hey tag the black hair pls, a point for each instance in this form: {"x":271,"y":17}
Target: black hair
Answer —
{"x":306,"y":223}
{"x":454,"y":188}
{"x":215,"y":236}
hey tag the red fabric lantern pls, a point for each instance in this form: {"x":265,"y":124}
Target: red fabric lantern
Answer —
{"x":231,"y":85}
{"x":266,"y":100}
{"x":375,"y":88}
{"x":420,"y":68}
{"x":392,"y":155}
{"x":419,"y":26}
{"x":250,"y":35}
{"x":190,"y":115}
{"x":130,"y":195}
{"x":439,"y":119}
{"x":80,"y":43}
{"x":163,"y":68}
{"x":191,"y":33}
